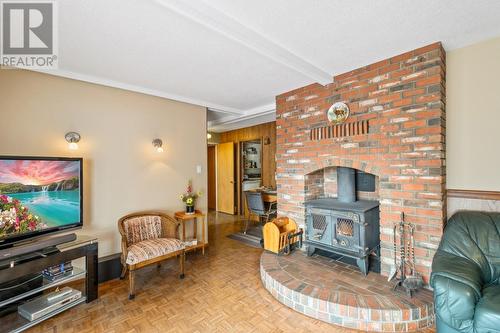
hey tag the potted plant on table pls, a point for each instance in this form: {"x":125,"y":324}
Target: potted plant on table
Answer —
{"x":189,"y":198}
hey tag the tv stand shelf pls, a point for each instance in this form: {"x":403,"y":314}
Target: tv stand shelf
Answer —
{"x":77,"y":274}
{"x":82,"y":247}
{"x":15,"y":323}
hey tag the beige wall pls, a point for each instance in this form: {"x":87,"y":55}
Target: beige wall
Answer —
{"x":123,"y":173}
{"x":473,"y":117}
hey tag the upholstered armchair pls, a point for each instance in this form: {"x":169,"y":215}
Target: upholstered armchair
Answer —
{"x":466,"y":274}
{"x":148,"y":238}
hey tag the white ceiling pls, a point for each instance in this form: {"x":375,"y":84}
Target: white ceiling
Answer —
{"x":235,"y":56}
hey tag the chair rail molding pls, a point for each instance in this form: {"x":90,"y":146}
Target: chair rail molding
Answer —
{"x":473,"y":194}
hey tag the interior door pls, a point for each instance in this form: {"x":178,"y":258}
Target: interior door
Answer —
{"x":225,"y":177}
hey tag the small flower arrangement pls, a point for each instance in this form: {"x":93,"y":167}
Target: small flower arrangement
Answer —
{"x":189,"y":198}
{"x":15,"y":218}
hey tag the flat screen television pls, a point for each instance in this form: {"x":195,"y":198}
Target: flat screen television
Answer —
{"x":38,"y":196}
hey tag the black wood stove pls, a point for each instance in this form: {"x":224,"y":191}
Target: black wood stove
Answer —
{"x":344,"y":225}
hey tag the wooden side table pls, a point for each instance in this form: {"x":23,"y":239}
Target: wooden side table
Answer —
{"x":182,"y":217}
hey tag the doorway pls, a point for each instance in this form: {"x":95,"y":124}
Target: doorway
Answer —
{"x":251,"y":170}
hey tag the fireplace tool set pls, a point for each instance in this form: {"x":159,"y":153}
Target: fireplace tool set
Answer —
{"x":413,"y":281}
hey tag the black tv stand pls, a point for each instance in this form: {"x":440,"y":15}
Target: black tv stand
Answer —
{"x":17,"y":270}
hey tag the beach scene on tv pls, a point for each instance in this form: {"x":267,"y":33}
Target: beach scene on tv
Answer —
{"x":38,"y":194}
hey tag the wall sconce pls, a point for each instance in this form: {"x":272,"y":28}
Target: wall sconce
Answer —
{"x":72,"y":138}
{"x":209,"y":136}
{"x":157,"y":143}
{"x":267,"y":141}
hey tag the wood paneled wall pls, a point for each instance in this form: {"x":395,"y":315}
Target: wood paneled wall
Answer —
{"x":268,"y":151}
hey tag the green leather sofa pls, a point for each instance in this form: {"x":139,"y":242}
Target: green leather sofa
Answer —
{"x":466,"y":274}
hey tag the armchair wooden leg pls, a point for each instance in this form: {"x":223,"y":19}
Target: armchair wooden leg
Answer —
{"x":124,"y":271}
{"x":182,"y":259}
{"x":131,"y":277}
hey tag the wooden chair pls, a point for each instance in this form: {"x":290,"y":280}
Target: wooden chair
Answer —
{"x":148,"y":238}
{"x":257,"y":207}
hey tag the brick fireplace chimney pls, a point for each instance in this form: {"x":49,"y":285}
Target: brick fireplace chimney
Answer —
{"x":396,"y":131}
{"x":346,"y":184}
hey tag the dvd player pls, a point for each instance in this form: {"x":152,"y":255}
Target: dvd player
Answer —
{"x":47,"y":303}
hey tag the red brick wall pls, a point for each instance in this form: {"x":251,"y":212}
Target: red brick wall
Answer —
{"x":314,"y":185}
{"x":404,"y":100}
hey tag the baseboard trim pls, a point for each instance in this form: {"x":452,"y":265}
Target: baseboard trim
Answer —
{"x":473,"y":194}
{"x":109,"y":267}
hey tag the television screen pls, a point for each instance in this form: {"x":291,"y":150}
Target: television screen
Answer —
{"x":39,"y":195}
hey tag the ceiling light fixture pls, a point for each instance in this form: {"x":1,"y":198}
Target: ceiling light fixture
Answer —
{"x":72,"y":138}
{"x":157,"y":143}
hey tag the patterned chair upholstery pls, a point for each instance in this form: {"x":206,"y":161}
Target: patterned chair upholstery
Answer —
{"x":152,"y":248}
{"x":141,"y":228}
{"x":148,"y":238}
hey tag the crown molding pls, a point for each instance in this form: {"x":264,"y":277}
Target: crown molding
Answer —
{"x":225,"y":111}
{"x":233,"y":118}
{"x":139,"y":89}
{"x":216,"y":20}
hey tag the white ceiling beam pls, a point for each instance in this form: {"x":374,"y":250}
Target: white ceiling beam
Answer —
{"x":249,"y":115}
{"x":241,"y":122}
{"x":221,"y":121}
{"x":259,"y":115}
{"x":214,"y":19}
{"x":263,"y":109}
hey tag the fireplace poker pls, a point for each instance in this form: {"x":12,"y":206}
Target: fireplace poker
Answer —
{"x":414,"y":281}
{"x":394,"y":268}
{"x":402,"y":250}
{"x":402,"y":240}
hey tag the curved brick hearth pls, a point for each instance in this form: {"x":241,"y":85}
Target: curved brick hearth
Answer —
{"x":338,"y":293}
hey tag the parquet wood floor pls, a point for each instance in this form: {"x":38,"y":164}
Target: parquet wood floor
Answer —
{"x":222,"y":292}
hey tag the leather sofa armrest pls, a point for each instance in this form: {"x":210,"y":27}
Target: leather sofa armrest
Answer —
{"x":457,"y":284}
{"x":455,"y":303}
{"x":457,"y":269}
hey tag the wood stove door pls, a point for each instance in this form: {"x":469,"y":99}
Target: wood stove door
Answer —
{"x":319,"y":226}
{"x":346,"y":233}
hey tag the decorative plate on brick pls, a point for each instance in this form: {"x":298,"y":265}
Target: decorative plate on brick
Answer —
{"x":338,"y":113}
